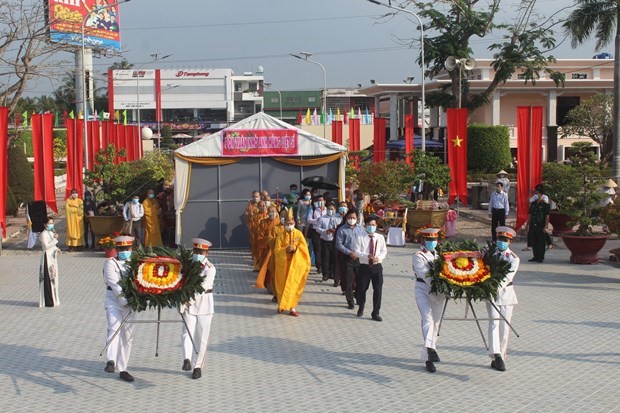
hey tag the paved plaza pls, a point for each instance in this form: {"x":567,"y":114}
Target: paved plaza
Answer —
{"x":327,"y":360}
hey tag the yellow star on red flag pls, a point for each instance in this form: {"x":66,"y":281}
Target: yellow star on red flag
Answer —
{"x":457,"y":141}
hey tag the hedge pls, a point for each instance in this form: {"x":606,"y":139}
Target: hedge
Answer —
{"x":20,"y":179}
{"x":488,"y":148}
{"x":25,"y":137}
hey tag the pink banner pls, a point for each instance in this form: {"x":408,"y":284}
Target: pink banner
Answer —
{"x":259,"y":142}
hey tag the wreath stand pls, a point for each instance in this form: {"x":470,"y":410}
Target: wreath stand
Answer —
{"x":475,"y":318}
{"x":158,"y":321}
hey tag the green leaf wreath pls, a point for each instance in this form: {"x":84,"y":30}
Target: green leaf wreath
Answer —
{"x":192,"y":280}
{"x":478,"y":291}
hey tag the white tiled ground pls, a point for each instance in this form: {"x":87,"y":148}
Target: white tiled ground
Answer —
{"x":327,"y":360}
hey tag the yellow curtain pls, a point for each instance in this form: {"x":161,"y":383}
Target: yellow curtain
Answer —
{"x":209,"y":161}
{"x":311,"y":162}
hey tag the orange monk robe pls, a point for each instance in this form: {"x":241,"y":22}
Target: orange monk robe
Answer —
{"x":291,"y":268}
{"x":265,"y":257}
{"x":74,"y":208}
{"x":151,"y":219}
{"x":255,"y":229}
{"x":249,"y":212}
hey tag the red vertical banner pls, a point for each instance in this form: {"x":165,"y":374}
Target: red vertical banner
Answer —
{"x":354,"y":137}
{"x":105,"y":134}
{"x":4,"y":165}
{"x":91,"y":145}
{"x":337,"y":131}
{"x":379,"y":139}
{"x":121,"y":142}
{"x":113,"y":138}
{"x":43,"y":149}
{"x":140,"y":147}
{"x":409,"y":121}
{"x":457,"y":153}
{"x":75,"y":157}
{"x":96,"y":134}
{"x":129,"y":147}
{"x":529,"y":157}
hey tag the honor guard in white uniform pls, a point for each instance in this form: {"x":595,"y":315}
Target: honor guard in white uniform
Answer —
{"x":198,"y":313}
{"x":116,"y":309}
{"x":499,"y":330}
{"x":430,"y":305}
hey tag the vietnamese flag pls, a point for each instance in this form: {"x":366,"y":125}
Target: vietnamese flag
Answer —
{"x":457,"y":153}
{"x":529,"y":157}
{"x":408,"y":137}
{"x":4,"y":167}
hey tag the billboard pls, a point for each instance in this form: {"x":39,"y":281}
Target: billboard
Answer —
{"x":101,"y":24}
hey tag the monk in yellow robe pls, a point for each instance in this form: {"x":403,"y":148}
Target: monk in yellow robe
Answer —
{"x":74,"y":208}
{"x":255,"y":232}
{"x":292,"y":265}
{"x":151,"y":221}
{"x":265,"y":244}
{"x":250,"y":210}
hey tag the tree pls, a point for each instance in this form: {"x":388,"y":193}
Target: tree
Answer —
{"x":386,"y":179}
{"x":599,"y":18}
{"x":107,"y":178}
{"x":593,"y":118}
{"x":24,"y":48}
{"x":20,"y":177}
{"x":462,"y":20}
{"x":430,"y":169}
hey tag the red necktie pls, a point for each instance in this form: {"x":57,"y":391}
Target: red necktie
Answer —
{"x":372,"y":249}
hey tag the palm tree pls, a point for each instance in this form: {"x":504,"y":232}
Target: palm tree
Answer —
{"x":601,"y":19}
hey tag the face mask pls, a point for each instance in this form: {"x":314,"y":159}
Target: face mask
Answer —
{"x":307,"y":197}
{"x":261,"y":209}
{"x":330,"y":212}
{"x":151,"y":196}
{"x":74,"y":195}
{"x":289,"y":228}
{"x":267,"y":203}
{"x":498,"y":190}
{"x":88,"y":198}
{"x":293,"y":191}
{"x":272,"y":215}
{"x":197,"y":257}
{"x":430,"y":245}
{"x":351,"y":221}
{"x":282,"y":220}
{"x":342,"y":210}
{"x":135,"y":200}
{"x":50,"y":227}
{"x":256,"y":199}
{"x":502,"y":245}
{"x":371,"y":229}
{"x":124,"y":255}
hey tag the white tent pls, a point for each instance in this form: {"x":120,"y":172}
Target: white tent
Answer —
{"x":313,"y":153}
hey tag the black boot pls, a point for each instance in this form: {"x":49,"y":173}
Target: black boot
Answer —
{"x":498,"y":364}
{"x":432,"y":355}
{"x":430,"y":367}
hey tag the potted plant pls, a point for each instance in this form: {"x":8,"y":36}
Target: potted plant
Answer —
{"x":582,"y":204}
{"x":108,"y":245}
{"x":611,"y":221}
{"x":560,"y":180}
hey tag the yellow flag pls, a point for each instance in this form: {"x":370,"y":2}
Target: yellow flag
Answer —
{"x":308,"y":121}
{"x":338,"y":114}
{"x":80,"y":115}
{"x":117,"y":116}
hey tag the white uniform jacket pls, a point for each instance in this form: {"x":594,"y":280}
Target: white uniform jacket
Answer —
{"x":112,"y":272}
{"x":203,"y":304}
{"x":506,"y":293}
{"x":422,"y":261}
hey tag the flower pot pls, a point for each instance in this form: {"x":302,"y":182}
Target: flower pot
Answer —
{"x":584,"y":249}
{"x":104,"y":226}
{"x":110,"y":252}
{"x":559,"y":221}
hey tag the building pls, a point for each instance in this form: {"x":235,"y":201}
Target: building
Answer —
{"x":188,"y":100}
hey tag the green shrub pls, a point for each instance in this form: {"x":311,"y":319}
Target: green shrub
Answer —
{"x":488,"y":148}
{"x":20,"y":178}
{"x":24,"y":140}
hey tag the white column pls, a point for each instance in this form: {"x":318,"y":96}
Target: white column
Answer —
{"x":393,"y":117}
{"x":496,"y":110}
{"x":79,"y":81}
{"x":552,"y":108}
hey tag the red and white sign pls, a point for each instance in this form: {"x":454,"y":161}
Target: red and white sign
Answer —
{"x":260,"y":142}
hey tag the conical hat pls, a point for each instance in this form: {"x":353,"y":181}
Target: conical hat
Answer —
{"x":610,"y":184}
{"x":502,"y":172}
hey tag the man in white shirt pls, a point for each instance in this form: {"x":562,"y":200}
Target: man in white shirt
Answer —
{"x":498,"y":208}
{"x":371,"y":251}
{"x":326,"y":228}
{"x":313,"y":216}
{"x":133,"y":213}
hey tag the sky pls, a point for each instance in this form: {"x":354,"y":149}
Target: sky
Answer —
{"x":346,"y":36}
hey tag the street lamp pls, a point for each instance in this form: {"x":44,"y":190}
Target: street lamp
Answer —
{"x":305,"y":56}
{"x":389,"y":6}
{"x":156,"y":58}
{"x":83,"y":83}
{"x":159,"y":118}
{"x":268,"y":85}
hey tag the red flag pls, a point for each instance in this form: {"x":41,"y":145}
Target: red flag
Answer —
{"x":529,"y":157}
{"x":337,"y":131}
{"x":140,"y":148}
{"x":457,"y":153}
{"x":129,"y":146}
{"x":105,"y":133}
{"x":113,"y":139}
{"x":408,"y":137}
{"x":4,"y":165}
{"x":91,"y":145}
{"x":346,"y":116}
{"x":75,"y":156}
{"x":354,"y":137}
{"x":379,"y":140}
{"x":121,"y":141}
{"x":299,"y":117}
{"x":96,"y":134}
{"x":43,"y":149}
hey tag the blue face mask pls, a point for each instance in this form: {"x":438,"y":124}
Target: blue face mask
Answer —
{"x":342,"y":210}
{"x":151,"y":196}
{"x":197,"y":257}
{"x":50,"y":227}
{"x":330,"y":212}
{"x":430,"y":245}
{"x":502,"y":245}
{"x":135,"y":200}
{"x":371,"y":229}
{"x":307,"y":197}
{"x":124,"y":255}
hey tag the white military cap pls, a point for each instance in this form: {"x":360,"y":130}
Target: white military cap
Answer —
{"x":505,"y":232}
{"x":200,"y":243}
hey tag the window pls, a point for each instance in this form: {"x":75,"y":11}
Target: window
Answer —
{"x":312,"y":99}
{"x":565,"y":104}
{"x":579,"y":76}
{"x":274,"y":100}
{"x":253,"y":87}
{"x":292,"y":100}
{"x":521,"y":76}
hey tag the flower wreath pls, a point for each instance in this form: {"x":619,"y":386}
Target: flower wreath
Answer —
{"x":463,"y":268}
{"x":161,"y":278}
